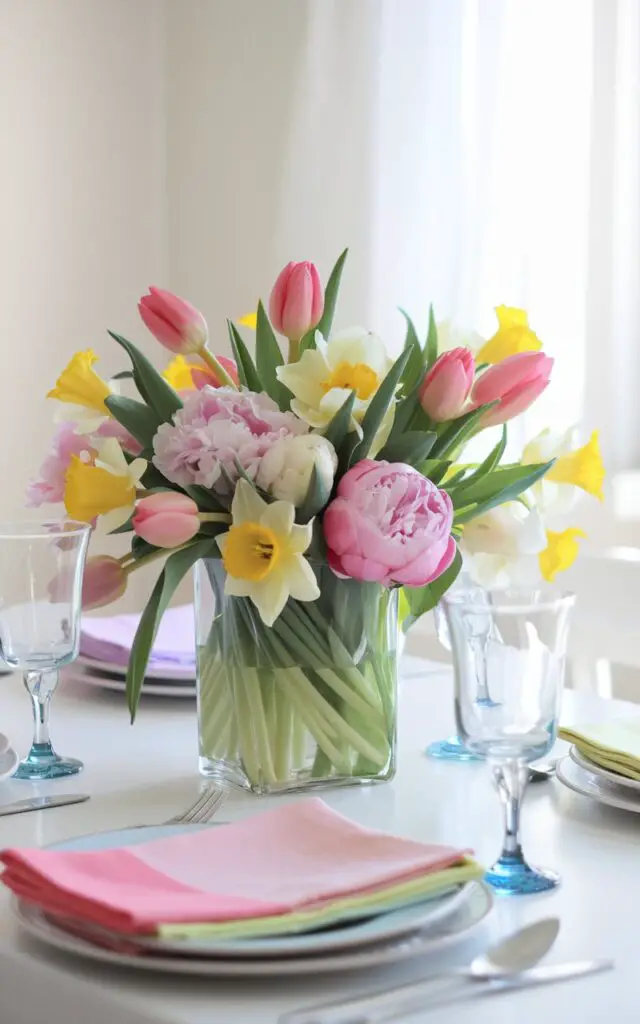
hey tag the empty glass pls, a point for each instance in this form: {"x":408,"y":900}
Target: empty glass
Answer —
{"x":41,"y":567}
{"x":509,"y":651}
{"x":451,"y":749}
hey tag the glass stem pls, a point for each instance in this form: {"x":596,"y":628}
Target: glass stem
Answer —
{"x":510,"y":779}
{"x":41,"y":686}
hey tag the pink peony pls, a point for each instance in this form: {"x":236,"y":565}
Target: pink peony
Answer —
{"x":389,"y":524}
{"x":217,"y":428}
{"x":49,"y":488}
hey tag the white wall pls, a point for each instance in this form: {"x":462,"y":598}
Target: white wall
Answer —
{"x":82,"y":199}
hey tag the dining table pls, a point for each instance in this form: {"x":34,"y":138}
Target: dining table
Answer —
{"x":146,"y":772}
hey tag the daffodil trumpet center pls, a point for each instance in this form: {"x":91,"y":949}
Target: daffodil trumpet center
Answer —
{"x":357,"y":376}
{"x":252,"y":551}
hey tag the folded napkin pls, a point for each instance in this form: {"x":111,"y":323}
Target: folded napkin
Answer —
{"x":301,"y":858}
{"x":109,"y":638}
{"x":612,"y":745}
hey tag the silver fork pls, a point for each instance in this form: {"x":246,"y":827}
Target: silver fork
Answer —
{"x":208,"y":803}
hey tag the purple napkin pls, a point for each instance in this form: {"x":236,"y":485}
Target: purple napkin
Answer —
{"x":109,"y":639}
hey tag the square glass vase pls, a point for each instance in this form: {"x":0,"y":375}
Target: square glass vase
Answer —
{"x":307,"y":702}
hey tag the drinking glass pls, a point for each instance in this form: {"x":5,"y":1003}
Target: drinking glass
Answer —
{"x":509,"y":650}
{"x":451,"y":749}
{"x":41,"y":567}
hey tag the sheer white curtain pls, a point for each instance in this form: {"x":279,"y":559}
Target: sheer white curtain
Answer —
{"x":482,"y":152}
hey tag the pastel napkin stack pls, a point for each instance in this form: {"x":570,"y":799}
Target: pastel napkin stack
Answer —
{"x":110,"y":638}
{"x":611,"y":745}
{"x":291,"y":869}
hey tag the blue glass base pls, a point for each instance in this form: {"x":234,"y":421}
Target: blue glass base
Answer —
{"x":512,"y":876}
{"x":42,"y":762}
{"x":451,"y":749}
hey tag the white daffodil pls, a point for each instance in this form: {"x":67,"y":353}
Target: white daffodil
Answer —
{"x":105,"y":488}
{"x":501,"y":547}
{"x":577,"y":468}
{"x":285,"y":469}
{"x":324,"y":377}
{"x":263,"y":554}
{"x":452,"y":335}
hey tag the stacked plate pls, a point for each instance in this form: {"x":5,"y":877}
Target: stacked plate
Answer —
{"x":105,"y":647}
{"x":354,"y":943}
{"x":582,"y":775}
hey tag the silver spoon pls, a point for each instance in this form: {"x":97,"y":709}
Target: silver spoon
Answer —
{"x":543,"y":770}
{"x":516,"y":953}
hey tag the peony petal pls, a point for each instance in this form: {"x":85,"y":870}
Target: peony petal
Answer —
{"x":429,"y":566}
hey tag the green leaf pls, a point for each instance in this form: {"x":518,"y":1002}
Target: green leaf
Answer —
{"x":457,"y":432}
{"x":153,"y":388}
{"x":268,"y":358}
{"x":141,"y":421}
{"x":431,"y":345}
{"x":330,"y":300}
{"x":246,"y":367}
{"x":423,"y":599}
{"x":412,"y":447}
{"x":435,"y":469}
{"x":125,"y":528}
{"x":414,"y":370}
{"x":153,"y":480}
{"x":461,"y":483}
{"x":123,"y":375}
{"x":505,"y":484}
{"x":338,"y":426}
{"x":315,"y":499}
{"x":176,"y":566}
{"x":405,"y":411}
{"x":378,"y":406}
{"x":141,"y":548}
{"x":204,"y":499}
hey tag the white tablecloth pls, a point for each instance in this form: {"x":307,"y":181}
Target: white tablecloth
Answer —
{"x":147,"y":772}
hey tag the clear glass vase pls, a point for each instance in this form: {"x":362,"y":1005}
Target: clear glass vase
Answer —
{"x":307,"y":702}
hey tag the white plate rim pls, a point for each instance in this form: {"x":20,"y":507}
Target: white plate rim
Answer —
{"x":38,"y":926}
{"x":590,"y":766}
{"x":151,"y":689}
{"x":599,"y":796}
{"x":185,"y":675}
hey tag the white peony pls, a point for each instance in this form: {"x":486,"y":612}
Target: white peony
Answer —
{"x":285,"y":469}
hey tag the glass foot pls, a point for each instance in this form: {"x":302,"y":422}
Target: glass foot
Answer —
{"x":451,"y":749}
{"x":42,"y":762}
{"x":512,"y":876}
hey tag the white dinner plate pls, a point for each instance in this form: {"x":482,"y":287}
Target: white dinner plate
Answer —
{"x":177,"y":673}
{"x":588,"y":784}
{"x":357,"y":931}
{"x":153,"y":688}
{"x":605,"y":773}
{"x":418,"y":943}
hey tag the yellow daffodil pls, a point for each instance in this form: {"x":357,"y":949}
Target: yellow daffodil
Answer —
{"x":512,"y":337}
{"x":561,"y":552}
{"x":82,"y":392}
{"x":249,"y":320}
{"x":323,"y":378}
{"x":263,"y":554}
{"x":581,"y":468}
{"x":105,"y":488}
{"x":575,"y":469}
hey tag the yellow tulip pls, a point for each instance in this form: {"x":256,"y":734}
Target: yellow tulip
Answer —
{"x":79,"y":384}
{"x":582,"y":468}
{"x":512,"y":337}
{"x":106,"y":488}
{"x":561,"y":552}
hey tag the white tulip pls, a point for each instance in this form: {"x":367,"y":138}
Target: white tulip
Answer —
{"x":285,"y":470}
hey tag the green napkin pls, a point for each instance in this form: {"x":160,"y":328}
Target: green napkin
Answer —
{"x":394,"y":896}
{"x":611,"y":745}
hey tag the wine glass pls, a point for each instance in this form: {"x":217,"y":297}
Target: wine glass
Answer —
{"x":41,"y":567}
{"x":509,"y":650}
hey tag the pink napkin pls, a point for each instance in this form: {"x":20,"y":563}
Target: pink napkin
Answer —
{"x":298,"y":855}
{"x":109,"y":638}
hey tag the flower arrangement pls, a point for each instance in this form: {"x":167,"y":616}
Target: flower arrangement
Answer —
{"x":310,"y":490}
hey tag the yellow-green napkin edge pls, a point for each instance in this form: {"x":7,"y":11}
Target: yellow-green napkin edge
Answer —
{"x":305,"y":920}
{"x":596,"y":750}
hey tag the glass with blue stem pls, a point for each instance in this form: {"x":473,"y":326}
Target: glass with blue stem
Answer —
{"x":41,"y":570}
{"x":510,"y":645}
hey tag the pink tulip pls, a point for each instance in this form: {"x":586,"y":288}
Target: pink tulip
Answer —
{"x":203,"y":376}
{"x":166,"y":519}
{"x":175,"y":323}
{"x":515,"y":382}
{"x":104,"y":581}
{"x":297,"y":300}
{"x":389,"y":524}
{"x":446,"y":386}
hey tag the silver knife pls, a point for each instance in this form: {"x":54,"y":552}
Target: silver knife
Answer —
{"x":378,"y":1009}
{"x":41,"y":803}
